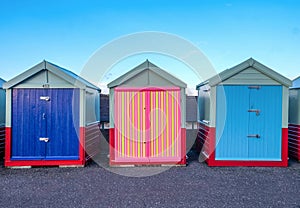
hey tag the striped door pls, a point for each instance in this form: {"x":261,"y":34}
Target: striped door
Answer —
{"x":147,"y":125}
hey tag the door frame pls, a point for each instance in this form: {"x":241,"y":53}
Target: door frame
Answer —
{"x":148,"y":159}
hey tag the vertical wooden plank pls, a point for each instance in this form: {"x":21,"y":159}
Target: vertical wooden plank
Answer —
{"x":144,"y":123}
{"x":132,"y":124}
{"x":167,"y":123}
{"x":127,"y":138}
{"x":157,"y":125}
{"x":162,"y":121}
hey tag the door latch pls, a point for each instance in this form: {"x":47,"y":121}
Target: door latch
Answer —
{"x":44,"y":139}
{"x":46,"y":98}
{"x":253,"y":136}
{"x":257,"y":111}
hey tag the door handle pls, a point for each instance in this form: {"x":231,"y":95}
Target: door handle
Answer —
{"x":253,"y":136}
{"x":44,"y":139}
{"x":257,"y":111}
{"x":46,"y":98}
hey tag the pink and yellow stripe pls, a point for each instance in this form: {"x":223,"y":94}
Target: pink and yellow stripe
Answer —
{"x":147,"y":123}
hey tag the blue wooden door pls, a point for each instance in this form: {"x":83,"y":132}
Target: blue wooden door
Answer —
{"x":264,"y":131}
{"x":231,"y":123}
{"x":45,"y":124}
{"x":252,"y":123}
{"x":63,"y":124}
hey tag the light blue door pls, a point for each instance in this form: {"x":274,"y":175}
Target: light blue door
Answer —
{"x":252,"y":123}
{"x":231,"y":123}
{"x":265,"y":113}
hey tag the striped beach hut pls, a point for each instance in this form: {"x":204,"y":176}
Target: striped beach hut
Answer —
{"x":2,"y":118}
{"x":147,"y":117}
{"x":52,"y":118}
{"x":243,"y":116}
{"x":294,"y":119}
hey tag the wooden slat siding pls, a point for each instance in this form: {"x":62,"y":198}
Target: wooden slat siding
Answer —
{"x":294,"y":141}
{"x":2,"y":140}
{"x":92,"y":140}
{"x":250,"y":76}
{"x":202,"y":145}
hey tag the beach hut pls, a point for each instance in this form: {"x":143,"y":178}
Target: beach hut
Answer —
{"x":2,"y":118}
{"x":294,"y":120}
{"x":243,"y":117}
{"x":52,"y":118}
{"x":147,"y":118}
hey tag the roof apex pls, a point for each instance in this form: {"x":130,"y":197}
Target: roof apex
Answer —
{"x":251,"y":62}
{"x":146,"y":65}
{"x":57,"y":70}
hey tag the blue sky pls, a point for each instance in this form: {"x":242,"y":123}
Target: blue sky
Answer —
{"x":67,"y":33}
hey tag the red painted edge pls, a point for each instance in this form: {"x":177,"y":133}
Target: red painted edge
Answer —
{"x":7,"y":144}
{"x":140,"y":89}
{"x":111,"y":145}
{"x":10,"y":163}
{"x":284,"y":154}
{"x":42,"y":162}
{"x":82,"y":144}
{"x":294,"y":141}
{"x":183,"y":147}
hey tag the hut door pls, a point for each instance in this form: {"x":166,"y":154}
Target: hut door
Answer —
{"x":252,"y":123}
{"x":264,"y":127}
{"x":44,"y":124}
{"x":147,"y":126}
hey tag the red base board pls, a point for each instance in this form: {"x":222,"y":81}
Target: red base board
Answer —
{"x":294,"y":141}
{"x":112,"y":161}
{"x":210,"y":140}
{"x":11,"y":163}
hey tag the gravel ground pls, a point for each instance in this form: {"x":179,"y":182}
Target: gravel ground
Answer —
{"x":196,"y":185}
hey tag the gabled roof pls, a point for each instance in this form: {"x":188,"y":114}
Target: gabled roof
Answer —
{"x":2,"y":81}
{"x":215,"y":80}
{"x":296,"y":83}
{"x":147,"y":65}
{"x":57,"y":70}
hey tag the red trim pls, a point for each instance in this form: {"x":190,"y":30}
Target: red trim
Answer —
{"x":10,"y":163}
{"x":7,"y":144}
{"x":140,"y":89}
{"x":294,"y":141}
{"x":284,"y":154}
{"x":82,"y":143}
{"x":111,"y":145}
{"x":183,"y":147}
{"x":211,"y":145}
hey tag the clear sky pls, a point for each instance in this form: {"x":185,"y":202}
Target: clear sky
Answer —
{"x":228,"y":32}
